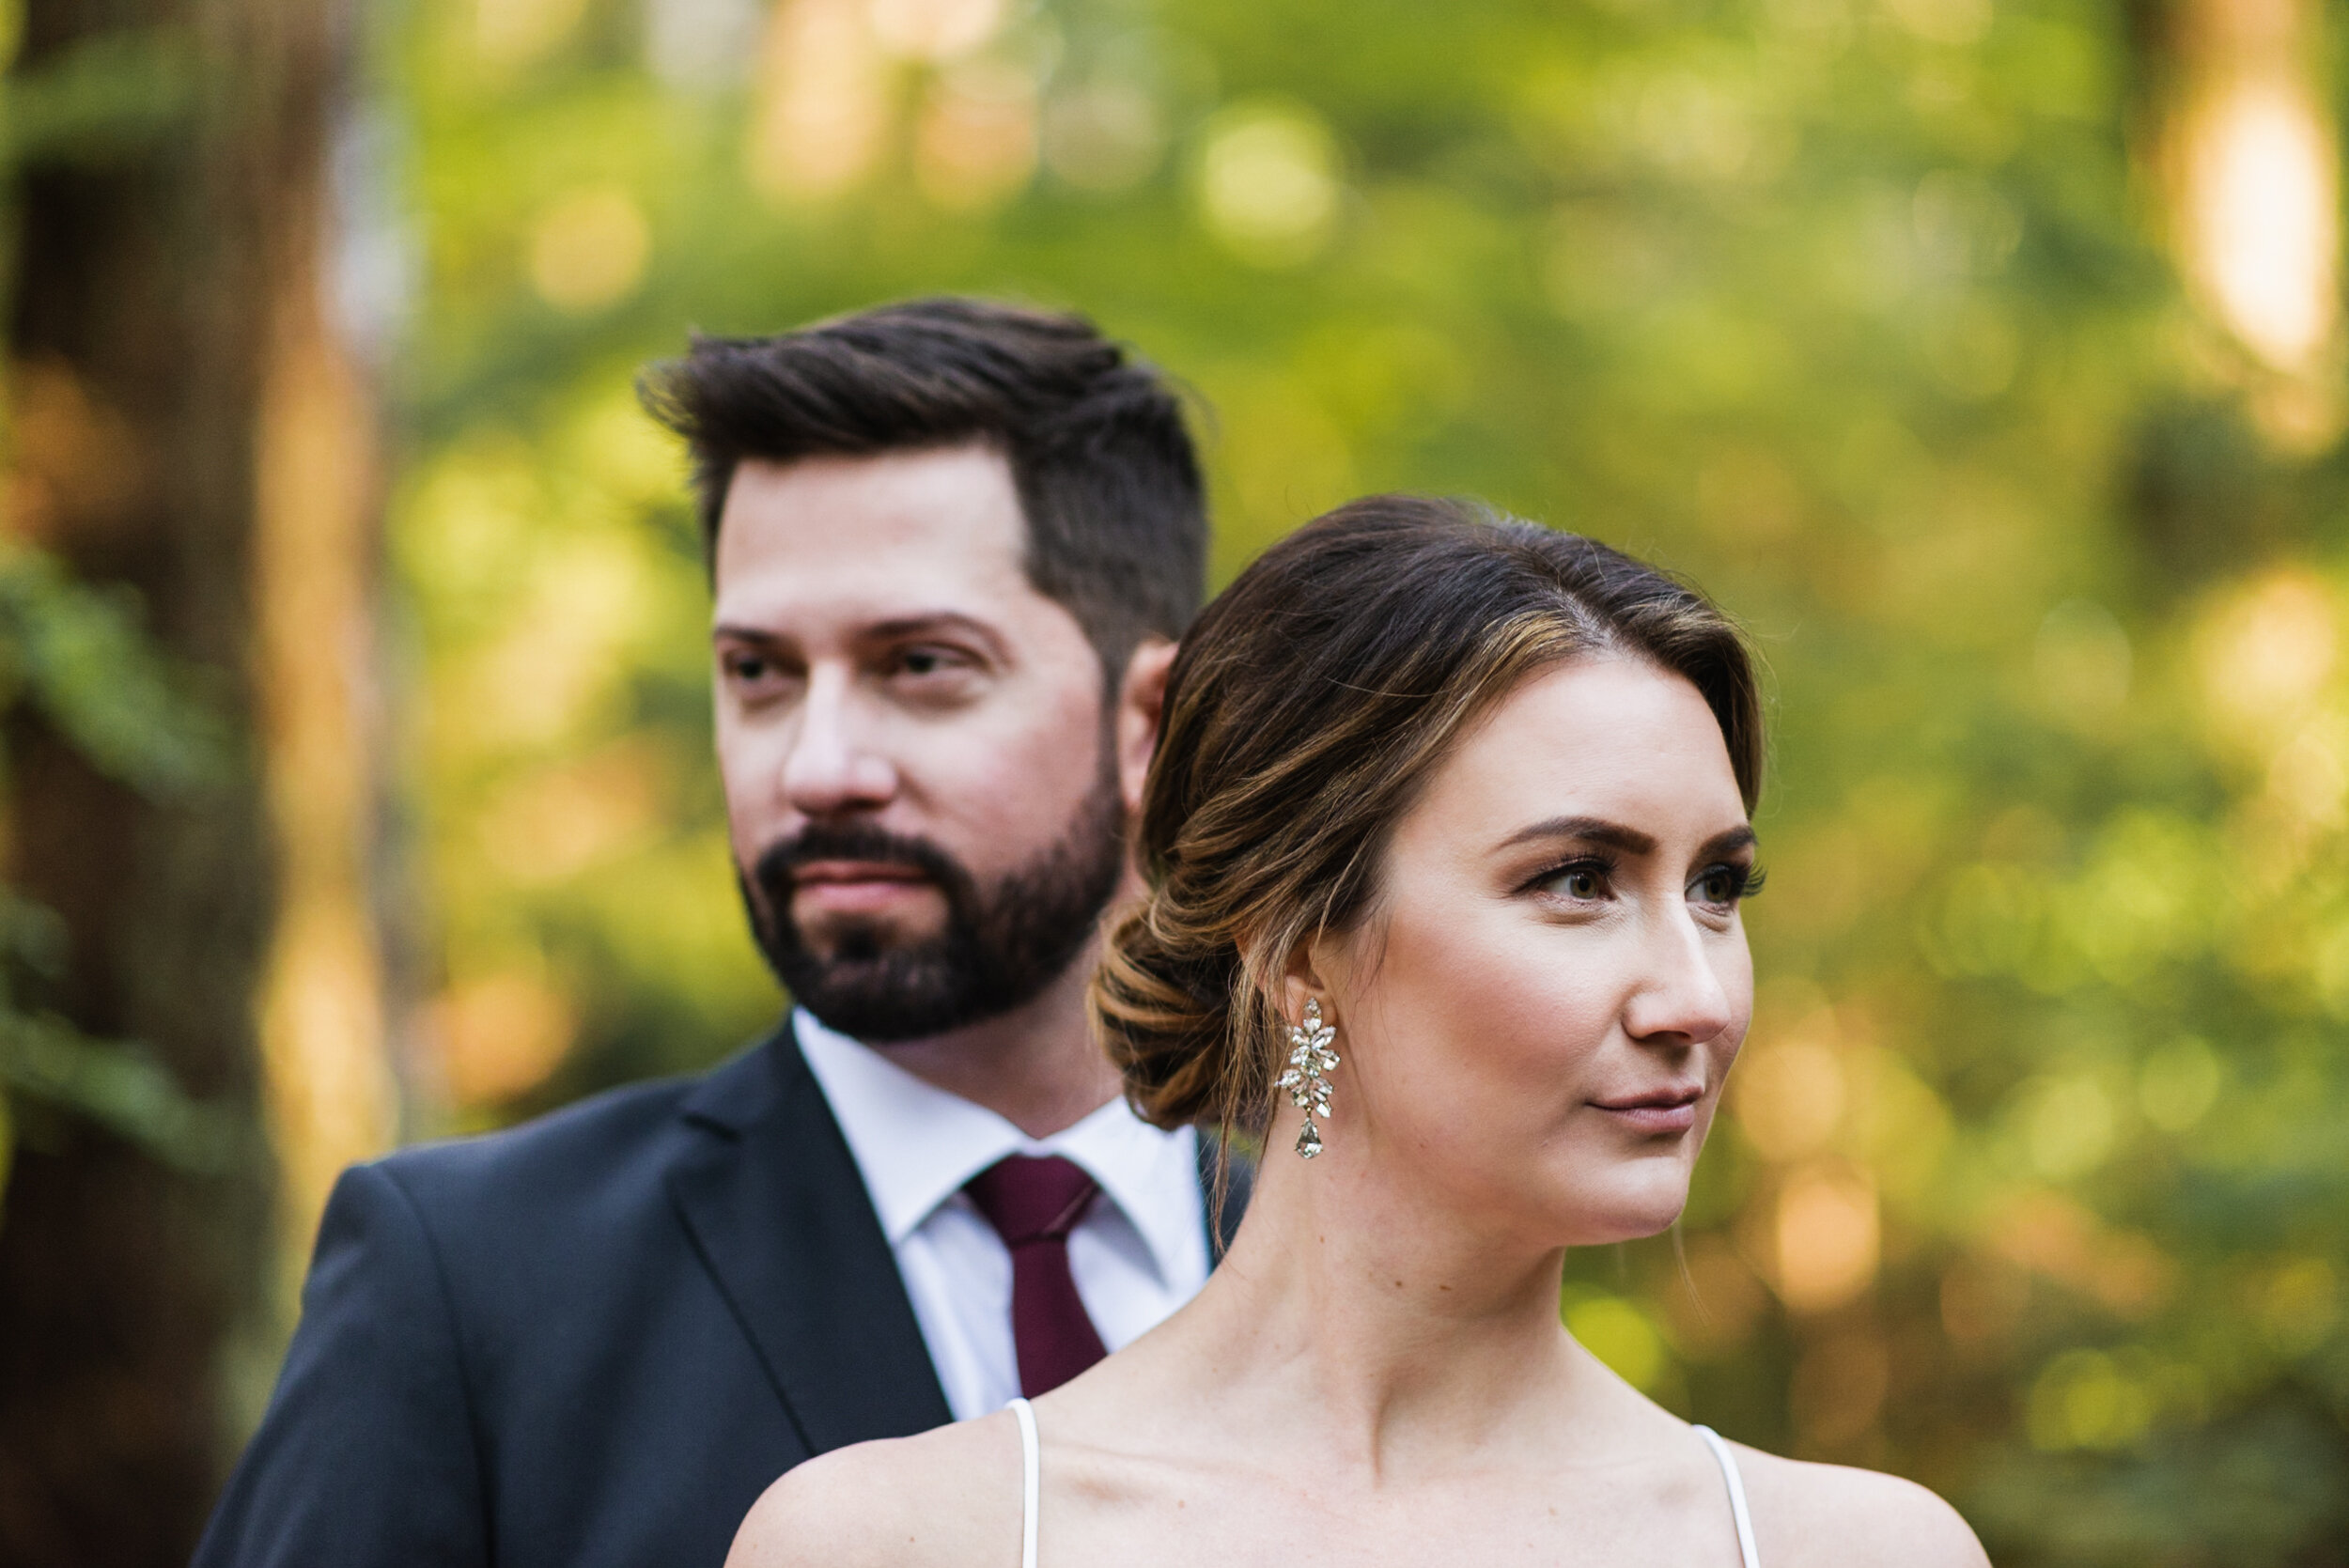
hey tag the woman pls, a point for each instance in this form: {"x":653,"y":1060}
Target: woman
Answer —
{"x":1447,"y":834}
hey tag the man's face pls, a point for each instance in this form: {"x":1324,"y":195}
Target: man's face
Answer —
{"x":923,"y":805}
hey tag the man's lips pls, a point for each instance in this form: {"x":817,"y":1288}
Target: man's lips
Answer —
{"x":1656,"y":1110}
{"x":855,"y":871}
{"x":847,"y":887}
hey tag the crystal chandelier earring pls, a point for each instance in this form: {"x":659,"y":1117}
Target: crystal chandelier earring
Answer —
{"x":1309,"y":1057}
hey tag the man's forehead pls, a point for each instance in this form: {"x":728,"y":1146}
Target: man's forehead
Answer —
{"x":873,"y":538}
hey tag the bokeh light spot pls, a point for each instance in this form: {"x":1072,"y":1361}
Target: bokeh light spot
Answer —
{"x":935,"y":30}
{"x":1789,"y":1096}
{"x":823,"y":107}
{"x":2178,"y":1084}
{"x":2085,"y":1399}
{"x":2081,"y":661}
{"x":501,"y":1034}
{"x":1104,"y":136}
{"x":2266,"y":653}
{"x":2303,"y":1301}
{"x":2260,"y":210}
{"x":1827,"y":1237}
{"x":1619,"y":1334}
{"x":975,"y":145}
{"x":2067,"y":1126}
{"x":587,"y":250}
{"x":511,"y":32}
{"x":1269,"y":182}
{"x":1954,"y":22}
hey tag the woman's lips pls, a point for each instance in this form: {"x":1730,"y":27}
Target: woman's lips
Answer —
{"x":1655,"y":1112}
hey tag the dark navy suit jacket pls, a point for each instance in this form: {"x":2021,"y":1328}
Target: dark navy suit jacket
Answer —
{"x":591,"y":1340}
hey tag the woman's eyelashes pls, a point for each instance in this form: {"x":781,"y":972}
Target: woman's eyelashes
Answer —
{"x":1592,"y":879}
{"x":1726,"y":885}
{"x":1584,"y":879}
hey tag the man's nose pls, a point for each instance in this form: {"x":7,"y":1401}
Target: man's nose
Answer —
{"x":1680,"y":998}
{"x":832,"y":765}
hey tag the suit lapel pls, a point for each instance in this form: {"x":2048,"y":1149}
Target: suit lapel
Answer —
{"x":780,"y":1215}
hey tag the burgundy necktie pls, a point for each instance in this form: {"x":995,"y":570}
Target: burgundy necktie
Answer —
{"x":1033,"y":1204}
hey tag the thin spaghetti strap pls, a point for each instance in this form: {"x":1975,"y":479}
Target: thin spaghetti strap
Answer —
{"x":1747,"y":1555}
{"x":1031,"y":1472}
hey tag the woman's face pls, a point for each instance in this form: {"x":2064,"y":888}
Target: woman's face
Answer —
{"x":1537,"y":1014}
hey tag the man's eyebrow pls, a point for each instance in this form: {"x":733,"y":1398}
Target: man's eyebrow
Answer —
{"x":1594,"y":830}
{"x":931,"y":620}
{"x":890,"y":630}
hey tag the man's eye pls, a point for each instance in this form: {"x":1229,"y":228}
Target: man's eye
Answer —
{"x":929,"y":661}
{"x":755,"y":676}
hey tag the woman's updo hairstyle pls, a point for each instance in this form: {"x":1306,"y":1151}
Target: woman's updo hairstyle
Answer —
{"x":1308,"y":706}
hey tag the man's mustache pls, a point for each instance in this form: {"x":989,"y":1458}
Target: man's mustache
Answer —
{"x":777,"y":865}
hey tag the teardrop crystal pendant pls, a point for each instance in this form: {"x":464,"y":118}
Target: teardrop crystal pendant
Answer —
{"x":1310,"y":1058}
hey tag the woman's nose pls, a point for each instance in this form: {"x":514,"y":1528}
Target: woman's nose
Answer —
{"x":1682,"y":999}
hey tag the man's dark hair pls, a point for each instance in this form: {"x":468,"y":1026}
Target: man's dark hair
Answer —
{"x":1105,"y":470}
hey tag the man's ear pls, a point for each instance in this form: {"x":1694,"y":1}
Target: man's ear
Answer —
{"x":1140,"y":701}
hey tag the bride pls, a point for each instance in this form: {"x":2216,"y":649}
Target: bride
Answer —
{"x":1446,"y":838}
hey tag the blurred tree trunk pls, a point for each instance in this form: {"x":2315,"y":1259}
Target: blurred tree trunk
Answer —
{"x":186,"y":424}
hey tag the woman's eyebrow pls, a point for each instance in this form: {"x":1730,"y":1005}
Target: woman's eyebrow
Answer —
{"x":1728,"y":842}
{"x":1594,"y":830}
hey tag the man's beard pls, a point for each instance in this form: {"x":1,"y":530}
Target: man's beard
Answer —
{"x":1000,"y":947}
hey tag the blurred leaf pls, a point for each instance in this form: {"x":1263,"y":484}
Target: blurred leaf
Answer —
{"x":104,"y":96}
{"x":78,"y":654}
{"x":32,"y":939}
{"x":119,"y":1086}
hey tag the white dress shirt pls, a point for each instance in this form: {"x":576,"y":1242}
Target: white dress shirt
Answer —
{"x":1140,"y":1251}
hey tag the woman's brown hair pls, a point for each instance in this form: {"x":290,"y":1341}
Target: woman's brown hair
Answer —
{"x":1308,"y":706}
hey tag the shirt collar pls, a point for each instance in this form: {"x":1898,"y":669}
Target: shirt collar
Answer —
{"x":916,"y":1144}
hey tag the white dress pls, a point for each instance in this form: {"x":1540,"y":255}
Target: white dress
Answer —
{"x":1032,"y":1472}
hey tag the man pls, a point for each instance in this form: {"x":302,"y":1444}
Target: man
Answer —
{"x":951,"y":545}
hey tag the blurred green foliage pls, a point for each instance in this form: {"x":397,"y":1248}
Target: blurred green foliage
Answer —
{"x":78,"y":657}
{"x":2033,"y":1183}
{"x":106,"y":94}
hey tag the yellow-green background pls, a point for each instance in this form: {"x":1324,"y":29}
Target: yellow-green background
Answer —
{"x":1868,"y":315}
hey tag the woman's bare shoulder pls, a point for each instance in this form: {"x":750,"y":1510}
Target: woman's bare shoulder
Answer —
{"x":948,"y":1496}
{"x":1807,"y":1515}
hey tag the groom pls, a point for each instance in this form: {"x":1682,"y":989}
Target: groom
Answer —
{"x":950,"y":544}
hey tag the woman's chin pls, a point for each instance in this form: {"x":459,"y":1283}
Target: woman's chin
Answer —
{"x":1622,"y":1211}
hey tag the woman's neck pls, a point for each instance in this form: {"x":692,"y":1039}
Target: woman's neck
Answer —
{"x":1401,"y":1322}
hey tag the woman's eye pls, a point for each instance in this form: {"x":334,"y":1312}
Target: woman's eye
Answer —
{"x":1584,"y":883}
{"x":1727,"y":884}
{"x":747,"y":667}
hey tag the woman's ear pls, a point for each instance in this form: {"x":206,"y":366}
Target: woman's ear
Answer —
{"x":1305,"y":978}
{"x":1140,"y":702}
